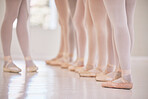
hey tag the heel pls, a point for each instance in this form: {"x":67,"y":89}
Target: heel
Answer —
{"x":30,"y":68}
{"x":7,"y":68}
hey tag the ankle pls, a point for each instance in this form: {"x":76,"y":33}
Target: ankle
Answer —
{"x":29,"y":61}
{"x":100,"y":68}
{"x":127,"y":78}
{"x":7,"y":59}
{"x":110,"y":68}
{"x":89,"y":66}
{"x":126,"y":75}
{"x":80,"y":62}
{"x":60,"y":55}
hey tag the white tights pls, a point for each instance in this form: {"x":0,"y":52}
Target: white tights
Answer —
{"x":98,"y":13}
{"x":123,"y":37}
{"x":16,"y":9}
{"x":79,"y":27}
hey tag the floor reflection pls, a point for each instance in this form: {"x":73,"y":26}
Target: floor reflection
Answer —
{"x":56,"y":83}
{"x":117,"y":93}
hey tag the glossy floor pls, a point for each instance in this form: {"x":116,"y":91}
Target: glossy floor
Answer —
{"x":56,"y":83}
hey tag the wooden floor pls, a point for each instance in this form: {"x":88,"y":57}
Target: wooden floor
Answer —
{"x":56,"y":83}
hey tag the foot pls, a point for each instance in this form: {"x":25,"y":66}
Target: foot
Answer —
{"x":110,"y":68}
{"x":65,"y":59}
{"x":120,"y":83}
{"x":74,"y":67}
{"x":9,"y":66}
{"x":108,"y":77}
{"x":30,"y":66}
{"x":109,"y":74}
{"x":54,"y":59}
{"x":68,"y":61}
{"x":83,"y":69}
{"x":90,"y":73}
{"x":77,"y":65}
{"x":123,"y":82}
{"x":65,"y":65}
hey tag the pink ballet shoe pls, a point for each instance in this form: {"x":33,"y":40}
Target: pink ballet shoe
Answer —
{"x":8,"y":68}
{"x":65,"y":65}
{"x":103,"y":77}
{"x":56,"y":63}
{"x":83,"y":69}
{"x":123,"y":84}
{"x":120,"y":83}
{"x":77,"y":65}
{"x":50,"y":62}
{"x":73,"y":68}
{"x":90,"y":73}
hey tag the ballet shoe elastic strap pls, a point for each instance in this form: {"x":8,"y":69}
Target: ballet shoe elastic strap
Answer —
{"x":70,"y":55}
{"x":99,"y":68}
{"x":28,"y":58}
{"x":110,"y":65}
{"x":81,"y":59}
{"x":7,"y":59}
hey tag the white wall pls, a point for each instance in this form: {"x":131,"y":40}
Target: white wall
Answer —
{"x":141,"y":29}
{"x":45,"y":41}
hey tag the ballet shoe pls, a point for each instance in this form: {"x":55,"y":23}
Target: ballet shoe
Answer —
{"x":12,"y":69}
{"x":49,"y":62}
{"x":123,"y":84}
{"x":62,"y":61}
{"x":30,"y":68}
{"x":88,"y":67}
{"x":77,"y":65}
{"x":103,"y":78}
{"x":79,"y":69}
{"x":110,"y":68}
{"x":90,"y":73}
{"x":65,"y":65}
{"x":73,"y":68}
{"x":120,"y":83}
{"x":106,"y":76}
{"x":56,"y":63}
{"x":68,"y":59}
